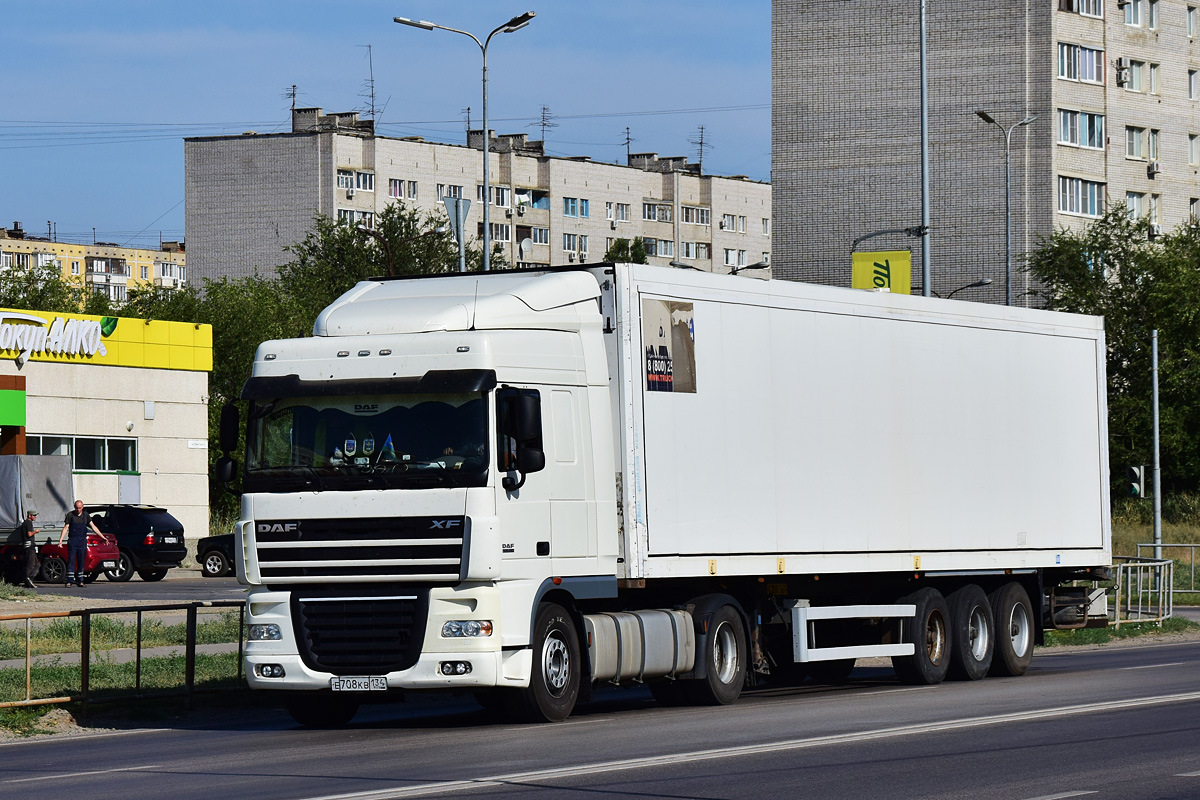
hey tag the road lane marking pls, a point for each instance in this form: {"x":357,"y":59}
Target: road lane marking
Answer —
{"x":1187,"y":775}
{"x":59,"y":777}
{"x":1153,"y":666}
{"x":896,"y":691}
{"x":1064,"y":795}
{"x":559,"y":773}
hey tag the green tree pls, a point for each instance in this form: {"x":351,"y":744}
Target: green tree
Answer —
{"x":626,"y":252}
{"x":1115,"y":270}
{"x":41,"y":288}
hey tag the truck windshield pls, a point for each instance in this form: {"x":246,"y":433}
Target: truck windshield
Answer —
{"x":367,"y":441}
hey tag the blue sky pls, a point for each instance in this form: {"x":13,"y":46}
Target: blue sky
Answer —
{"x":97,"y":97}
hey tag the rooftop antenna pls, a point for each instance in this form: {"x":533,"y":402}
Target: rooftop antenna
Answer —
{"x":628,"y":141}
{"x":546,"y":121}
{"x":701,"y":146}
{"x":369,"y":86}
{"x":467,"y":111}
{"x":291,"y":93}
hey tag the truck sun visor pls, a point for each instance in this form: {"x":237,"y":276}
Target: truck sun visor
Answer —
{"x":440,"y":380}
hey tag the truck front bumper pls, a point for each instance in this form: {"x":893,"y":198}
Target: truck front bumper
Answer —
{"x":489,"y":665}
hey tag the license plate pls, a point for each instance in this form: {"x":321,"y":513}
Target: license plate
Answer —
{"x":108,"y":565}
{"x":170,"y":540}
{"x":359,"y":683}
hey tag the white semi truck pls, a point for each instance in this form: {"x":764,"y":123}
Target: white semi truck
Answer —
{"x":529,"y":484}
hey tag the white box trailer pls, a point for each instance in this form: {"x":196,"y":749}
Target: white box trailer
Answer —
{"x":524,"y":484}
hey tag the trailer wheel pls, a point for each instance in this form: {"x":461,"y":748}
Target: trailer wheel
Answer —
{"x":929,"y":631}
{"x":725,"y":652}
{"x":554,"y":685}
{"x":972,"y":639}
{"x":314,"y":710}
{"x":1014,"y":622}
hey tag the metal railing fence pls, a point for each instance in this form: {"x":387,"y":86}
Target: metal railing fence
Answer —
{"x":1168,"y":551}
{"x":1142,"y":590}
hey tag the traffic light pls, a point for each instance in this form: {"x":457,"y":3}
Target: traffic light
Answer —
{"x":1136,"y":476}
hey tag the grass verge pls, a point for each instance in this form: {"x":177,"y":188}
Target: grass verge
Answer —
{"x":1126,"y":631}
{"x":62,"y":634}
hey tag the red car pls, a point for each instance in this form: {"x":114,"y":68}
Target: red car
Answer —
{"x":102,"y":553}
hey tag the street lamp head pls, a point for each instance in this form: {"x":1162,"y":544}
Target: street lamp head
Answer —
{"x":416,"y":23}
{"x":1028,"y":119}
{"x":758,"y":265}
{"x":986,"y":117}
{"x":516,"y":23}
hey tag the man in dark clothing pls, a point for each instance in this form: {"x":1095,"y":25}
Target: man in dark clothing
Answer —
{"x":76,"y":524}
{"x":28,"y":532}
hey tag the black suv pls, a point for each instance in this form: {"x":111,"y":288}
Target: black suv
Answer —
{"x":215,"y":554}
{"x":150,"y":540}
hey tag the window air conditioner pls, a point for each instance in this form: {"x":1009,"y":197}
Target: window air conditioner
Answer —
{"x":1123,"y":63}
{"x":1155,"y":231}
{"x":613,"y":224}
{"x":1122,"y":3}
{"x":350,"y":192}
{"x":571,"y":257}
{"x":721,"y":224}
{"x":1153,"y":168}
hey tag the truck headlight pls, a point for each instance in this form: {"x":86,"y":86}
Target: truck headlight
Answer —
{"x":264,"y":633}
{"x":467,"y":627}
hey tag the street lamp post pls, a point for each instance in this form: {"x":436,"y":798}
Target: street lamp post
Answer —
{"x":986,"y":117}
{"x":513,"y":25}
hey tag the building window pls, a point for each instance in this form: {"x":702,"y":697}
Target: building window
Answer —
{"x":74,"y":267}
{"x":730,"y":257}
{"x":1134,"y":12}
{"x":570,"y":207}
{"x":650,"y":246}
{"x":1091,"y":8}
{"x":728,"y":222}
{"x":500,"y":231}
{"x":366,"y":181}
{"x":570,"y":242}
{"x":412,"y":190}
{"x":145,"y":273}
{"x":1193,"y":207}
{"x":1068,"y":126}
{"x":1152,"y":145}
{"x":1077,"y":63}
{"x":345,"y":179}
{"x":766,"y":257}
{"x":541,"y":236}
{"x":608,"y":211}
{"x":622,"y":212}
{"x":583,"y":243}
{"x":1134,"y":138}
{"x":666,"y":248}
{"x":395,"y":187}
{"x":1191,"y":20}
{"x":702,"y":251}
{"x":1079,"y":196}
{"x":1135,"y":203}
{"x":584,"y":207}
{"x":1152,"y":209}
{"x":500,"y":194}
{"x":1193,"y":84}
{"x":88,"y":454}
{"x":687,"y":250}
{"x":1136,"y":68}
{"x":1152,"y":14}
{"x":650,"y":211}
{"x":1193,"y":149}
{"x":766,"y":226}
{"x":449,"y":190}
{"x":694,"y":215}
{"x":1154,"y":84}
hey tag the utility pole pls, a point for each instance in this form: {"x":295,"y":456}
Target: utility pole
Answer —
{"x":628,"y":141}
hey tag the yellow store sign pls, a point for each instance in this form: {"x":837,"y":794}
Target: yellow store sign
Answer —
{"x":113,"y":341}
{"x":884,"y":269}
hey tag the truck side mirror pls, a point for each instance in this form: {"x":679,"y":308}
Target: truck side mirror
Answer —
{"x":521,"y":423}
{"x":227,"y":435}
{"x":225,"y":469}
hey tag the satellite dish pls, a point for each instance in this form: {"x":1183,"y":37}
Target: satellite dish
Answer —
{"x":526,"y":248}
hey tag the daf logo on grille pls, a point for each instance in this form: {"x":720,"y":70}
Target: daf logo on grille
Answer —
{"x":278,"y":527}
{"x":446,"y":523}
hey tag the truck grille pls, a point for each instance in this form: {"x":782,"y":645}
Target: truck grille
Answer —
{"x":409,"y":549}
{"x":360,"y":635}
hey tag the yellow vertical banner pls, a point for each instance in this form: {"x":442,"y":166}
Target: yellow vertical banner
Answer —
{"x":883,"y":269}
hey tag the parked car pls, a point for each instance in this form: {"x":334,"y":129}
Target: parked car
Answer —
{"x":149,"y":538}
{"x":215,"y":555}
{"x":102,"y":554}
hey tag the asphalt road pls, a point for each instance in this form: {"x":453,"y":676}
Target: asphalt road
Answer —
{"x":180,"y":586}
{"x":1117,"y":722}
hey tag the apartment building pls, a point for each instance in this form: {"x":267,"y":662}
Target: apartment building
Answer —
{"x":249,"y":197}
{"x":106,"y":268}
{"x":1113,"y":83}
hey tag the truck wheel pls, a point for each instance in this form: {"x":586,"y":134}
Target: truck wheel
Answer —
{"x":554,"y":685}
{"x":124,"y":570}
{"x":53,"y":570}
{"x":832,"y":672}
{"x":929,"y":631}
{"x":725,"y":654}
{"x":972,"y":639}
{"x":314,"y":710}
{"x":1014,"y":624}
